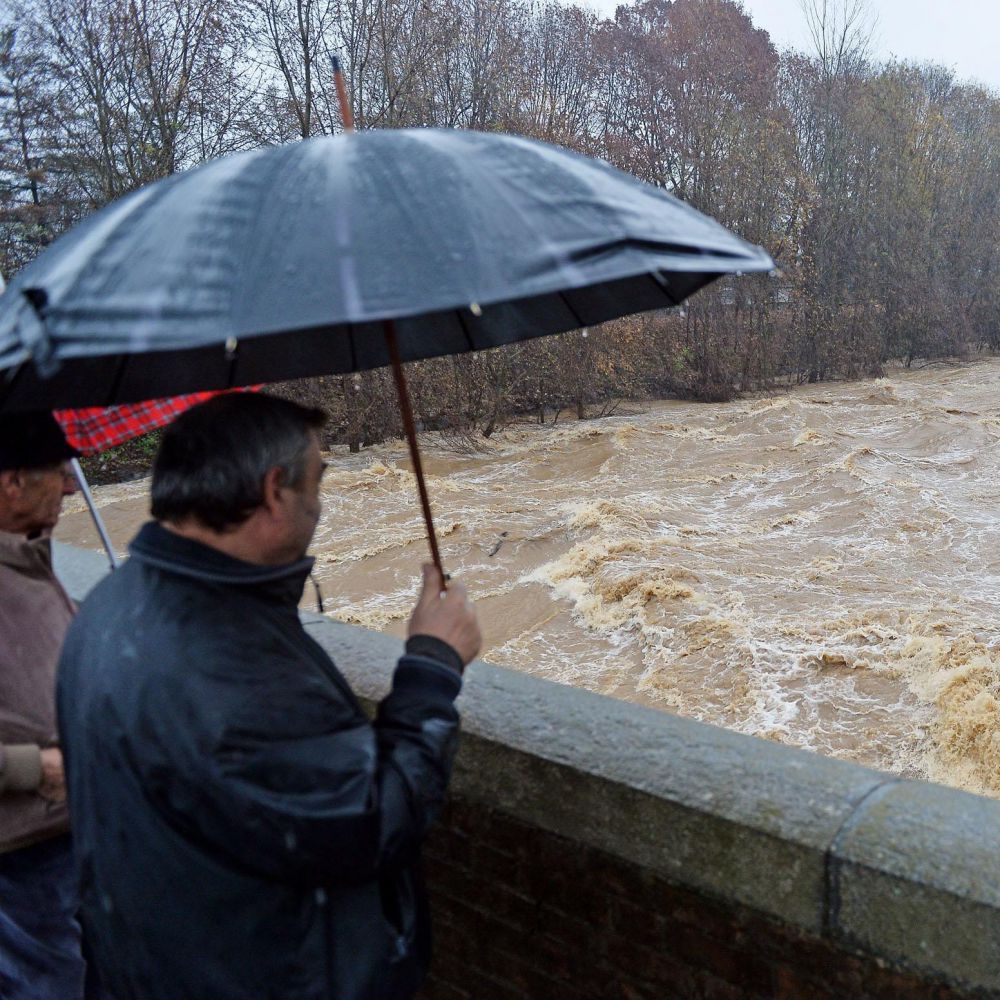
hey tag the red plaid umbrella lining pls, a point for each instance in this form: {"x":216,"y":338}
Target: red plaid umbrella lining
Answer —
{"x":98,"y":428}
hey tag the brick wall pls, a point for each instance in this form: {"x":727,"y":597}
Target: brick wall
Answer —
{"x":520,"y":913}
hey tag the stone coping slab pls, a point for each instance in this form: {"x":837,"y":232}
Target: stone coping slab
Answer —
{"x":916,"y":878}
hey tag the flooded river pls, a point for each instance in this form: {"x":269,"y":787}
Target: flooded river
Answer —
{"x":819,"y":567}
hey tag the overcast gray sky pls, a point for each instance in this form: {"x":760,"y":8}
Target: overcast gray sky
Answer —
{"x":961,"y":34}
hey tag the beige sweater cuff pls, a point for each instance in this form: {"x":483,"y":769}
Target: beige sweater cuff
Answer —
{"x":21,"y":767}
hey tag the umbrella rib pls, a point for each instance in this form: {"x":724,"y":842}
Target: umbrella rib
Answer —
{"x":117,"y":381}
{"x":465,"y":329}
{"x":353,"y":346}
{"x":575,"y":314}
{"x":7,"y":388}
{"x":664,"y":286}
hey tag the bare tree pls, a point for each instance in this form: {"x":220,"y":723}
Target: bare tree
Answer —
{"x":26,"y":199}
{"x":877,"y":186}
{"x":294,"y":38}
{"x":841,"y":33}
{"x":136,"y":88}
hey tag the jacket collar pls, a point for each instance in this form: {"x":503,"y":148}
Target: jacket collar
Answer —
{"x":156,"y":546}
{"x":27,"y":555}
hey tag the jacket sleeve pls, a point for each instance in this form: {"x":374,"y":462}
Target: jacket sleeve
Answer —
{"x":20,"y":767}
{"x":300,"y":786}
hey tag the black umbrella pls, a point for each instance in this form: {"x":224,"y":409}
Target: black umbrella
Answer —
{"x":289,"y":261}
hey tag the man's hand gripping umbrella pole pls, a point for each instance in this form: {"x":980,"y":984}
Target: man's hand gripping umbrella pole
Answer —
{"x":397,"y":370}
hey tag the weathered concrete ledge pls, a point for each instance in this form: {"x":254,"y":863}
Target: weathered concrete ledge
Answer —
{"x":904,"y":871}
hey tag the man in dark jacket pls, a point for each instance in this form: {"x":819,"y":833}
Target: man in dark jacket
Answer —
{"x":243,"y":831}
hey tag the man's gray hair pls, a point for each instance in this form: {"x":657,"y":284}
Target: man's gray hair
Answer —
{"x":213,"y":458}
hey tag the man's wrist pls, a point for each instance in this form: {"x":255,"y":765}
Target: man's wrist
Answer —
{"x":432,"y":648}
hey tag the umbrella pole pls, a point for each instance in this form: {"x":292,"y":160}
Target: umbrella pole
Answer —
{"x":81,"y":481}
{"x":345,"y":105}
{"x":411,"y":439}
{"x":397,"y":366}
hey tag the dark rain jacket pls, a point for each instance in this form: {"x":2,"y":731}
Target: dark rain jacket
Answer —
{"x":243,"y":831}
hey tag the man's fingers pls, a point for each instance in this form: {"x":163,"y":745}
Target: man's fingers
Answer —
{"x":446,"y":615}
{"x":431,"y":587}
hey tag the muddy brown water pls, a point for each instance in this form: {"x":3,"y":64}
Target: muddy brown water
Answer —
{"x":819,"y":567}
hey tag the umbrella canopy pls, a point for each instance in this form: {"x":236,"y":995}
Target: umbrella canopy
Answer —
{"x":94,"y":429}
{"x":285,"y":262}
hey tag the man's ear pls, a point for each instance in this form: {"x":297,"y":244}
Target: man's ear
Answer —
{"x":271,"y":486}
{"x":11,"y":482}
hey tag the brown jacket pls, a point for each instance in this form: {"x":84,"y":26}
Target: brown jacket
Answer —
{"x":35,"y":612}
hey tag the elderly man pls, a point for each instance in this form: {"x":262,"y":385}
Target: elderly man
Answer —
{"x":243,"y":830}
{"x":39,"y":935}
